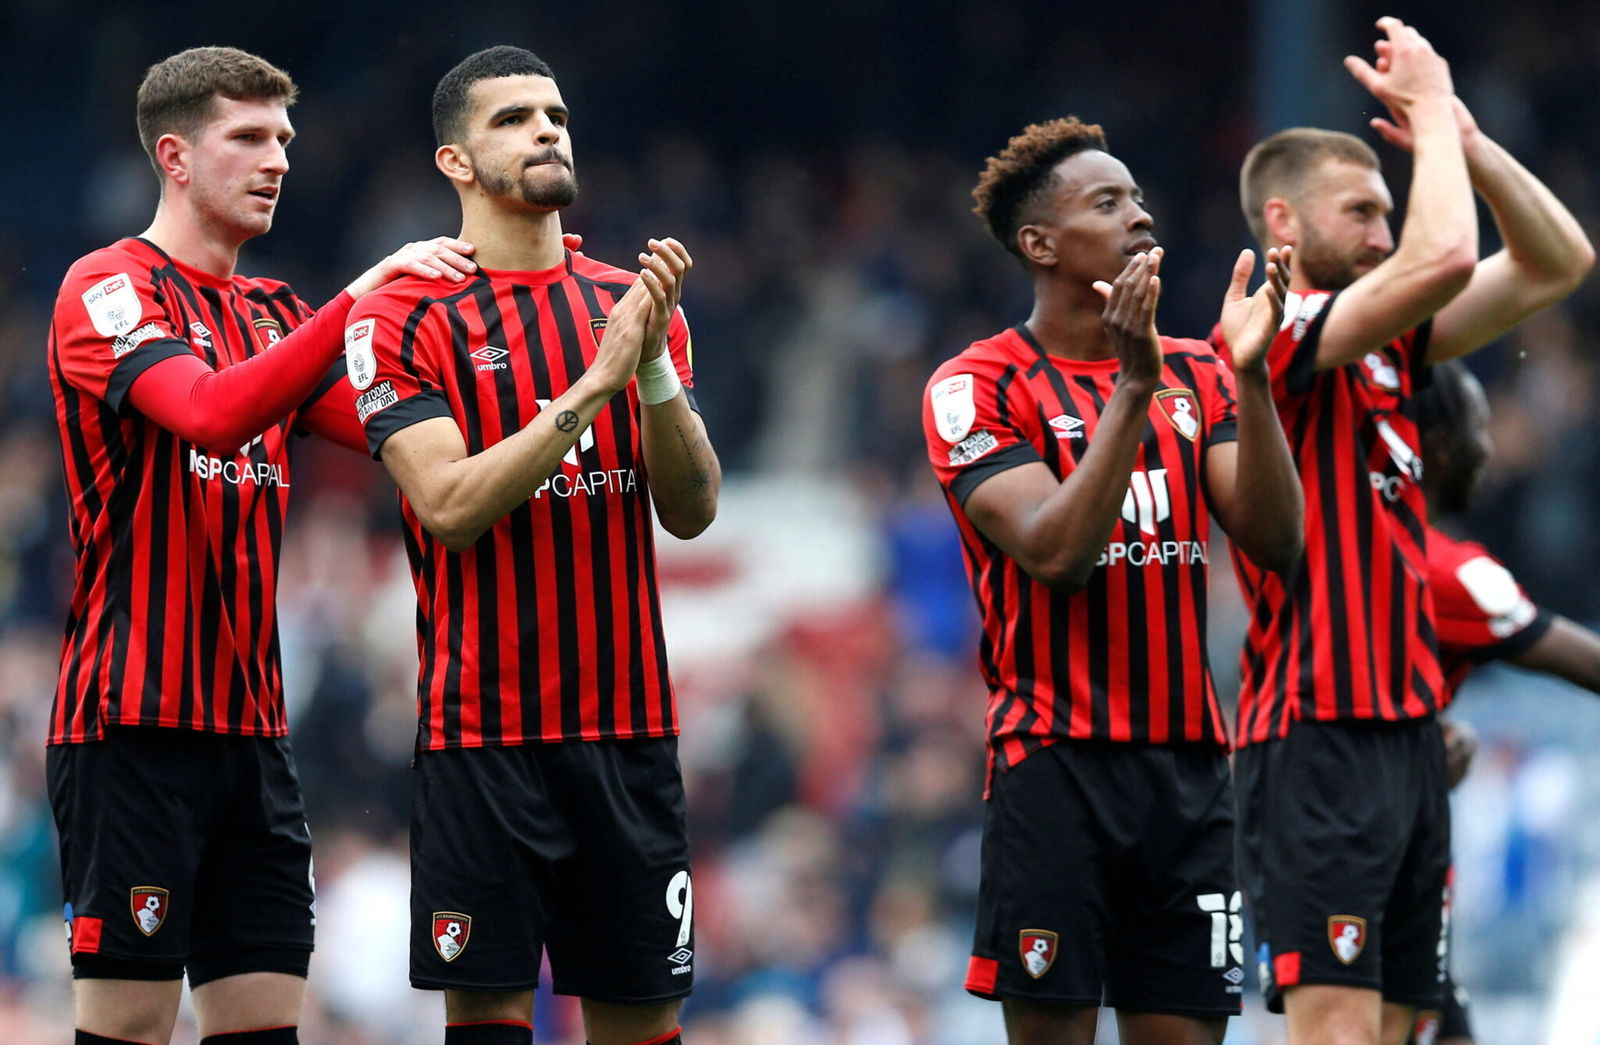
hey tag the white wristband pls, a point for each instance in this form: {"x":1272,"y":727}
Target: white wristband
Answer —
{"x":658,"y":380}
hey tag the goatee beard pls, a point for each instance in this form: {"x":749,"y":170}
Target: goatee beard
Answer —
{"x":547,"y":195}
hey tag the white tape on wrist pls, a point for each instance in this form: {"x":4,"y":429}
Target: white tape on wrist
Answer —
{"x":658,"y":380}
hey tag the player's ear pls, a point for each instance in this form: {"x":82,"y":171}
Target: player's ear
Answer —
{"x":453,"y":162}
{"x":172,"y":157}
{"x":1038,"y":246}
{"x":1283,"y":226}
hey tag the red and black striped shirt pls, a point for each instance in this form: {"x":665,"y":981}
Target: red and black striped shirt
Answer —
{"x":173,"y":620}
{"x":1348,"y":631}
{"x":1482,"y":612}
{"x":549,"y":627}
{"x":1125,"y":658}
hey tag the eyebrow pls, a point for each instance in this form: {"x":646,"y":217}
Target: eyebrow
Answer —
{"x":522,"y":107}
{"x":260,"y":128}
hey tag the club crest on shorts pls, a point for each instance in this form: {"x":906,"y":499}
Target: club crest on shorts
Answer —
{"x":1347,"y":935}
{"x":450,"y":932}
{"x":1038,"y":948}
{"x":1425,"y":1029}
{"x":149,"y":907}
{"x":1180,"y":407}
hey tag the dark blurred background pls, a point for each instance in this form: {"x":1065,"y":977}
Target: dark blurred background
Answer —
{"x":817,"y":159}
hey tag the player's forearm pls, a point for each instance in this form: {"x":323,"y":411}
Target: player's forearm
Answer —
{"x":221,"y":410}
{"x":1441,"y":228}
{"x":463,"y":499}
{"x":1541,"y":236}
{"x":1063,"y":540}
{"x":1267,"y":517}
{"x":685,"y":476}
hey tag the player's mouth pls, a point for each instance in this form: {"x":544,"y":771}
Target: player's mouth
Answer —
{"x":1143,"y":243}
{"x":546,"y":160}
{"x":269,"y":193}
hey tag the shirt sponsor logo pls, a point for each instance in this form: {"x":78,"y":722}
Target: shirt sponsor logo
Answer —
{"x":360,"y":362}
{"x":491,"y":357}
{"x":1147,"y":501}
{"x":613,"y":480}
{"x":237,"y":473}
{"x":1066,"y":426}
{"x":381,"y":397}
{"x":133,"y":339}
{"x":954,"y":410}
{"x":1299,"y":310}
{"x":113,"y":305}
{"x":973,"y":447}
{"x":1155,"y":553}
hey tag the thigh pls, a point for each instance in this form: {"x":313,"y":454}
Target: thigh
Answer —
{"x":254,"y":892}
{"x":625,"y":930}
{"x":132,"y":813}
{"x":1043,"y":909}
{"x":1177,"y":931}
{"x":485,"y":843}
{"x":1415,"y":930}
{"x":1326,"y":825}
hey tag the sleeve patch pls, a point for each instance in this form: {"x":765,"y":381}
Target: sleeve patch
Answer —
{"x":381,"y":397}
{"x":133,"y":339}
{"x":1496,"y":593}
{"x":973,"y":447}
{"x":113,"y":305}
{"x":359,"y":359}
{"x":954,"y":410}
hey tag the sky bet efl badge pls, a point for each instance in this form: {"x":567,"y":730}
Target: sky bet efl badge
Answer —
{"x":450,"y":932}
{"x":1038,"y":947}
{"x":953,"y":407}
{"x":149,"y":905}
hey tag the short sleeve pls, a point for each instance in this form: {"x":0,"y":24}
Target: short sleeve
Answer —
{"x":1480,"y":611}
{"x":110,"y":326}
{"x":1220,"y":397}
{"x":391,"y":361}
{"x":1292,"y":357}
{"x":680,"y":343}
{"x":969,"y":423}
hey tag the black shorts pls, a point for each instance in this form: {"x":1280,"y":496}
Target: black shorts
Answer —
{"x":1344,"y":851}
{"x":1108,"y":879}
{"x":182,"y":851}
{"x":576,"y":847}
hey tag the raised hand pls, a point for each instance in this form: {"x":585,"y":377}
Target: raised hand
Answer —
{"x":667,"y":263}
{"x":1397,"y":132}
{"x":1130,"y":316}
{"x":624,"y":334}
{"x":443,"y":257}
{"x":1408,"y":71}
{"x":1250,"y":323}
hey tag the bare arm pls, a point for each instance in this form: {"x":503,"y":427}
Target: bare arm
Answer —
{"x":683,"y":472}
{"x":1545,"y":257}
{"x":1567,"y":650}
{"x":458,"y":496}
{"x":1439,"y":242}
{"x":1056,"y":530}
{"x":1252,"y":485}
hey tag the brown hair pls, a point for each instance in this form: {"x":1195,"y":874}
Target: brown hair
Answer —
{"x":177,"y":92}
{"x":1024,"y":171}
{"x":1278,"y":165}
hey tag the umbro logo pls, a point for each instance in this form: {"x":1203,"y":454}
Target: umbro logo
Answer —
{"x":1067,"y":427}
{"x":489,"y":358}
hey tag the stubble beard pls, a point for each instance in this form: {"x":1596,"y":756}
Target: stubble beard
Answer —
{"x":543,"y":193}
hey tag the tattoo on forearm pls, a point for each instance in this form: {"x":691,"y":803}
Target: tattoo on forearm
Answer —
{"x":696,"y":480}
{"x":566,"y":421}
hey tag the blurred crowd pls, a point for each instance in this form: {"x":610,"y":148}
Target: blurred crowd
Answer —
{"x":826,"y":671}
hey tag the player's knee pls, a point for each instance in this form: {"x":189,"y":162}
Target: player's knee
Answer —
{"x":610,"y":1023}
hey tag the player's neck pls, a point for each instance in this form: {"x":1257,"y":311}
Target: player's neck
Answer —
{"x":514,"y":241}
{"x":1070,"y":330}
{"x":185,"y":238}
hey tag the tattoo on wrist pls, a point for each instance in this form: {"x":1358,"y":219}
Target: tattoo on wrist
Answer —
{"x":566,"y":421}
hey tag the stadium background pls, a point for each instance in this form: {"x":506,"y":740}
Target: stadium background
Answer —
{"x":816,"y":158}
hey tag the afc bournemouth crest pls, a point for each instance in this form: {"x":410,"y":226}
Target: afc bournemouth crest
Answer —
{"x":1038,"y":948}
{"x":268,"y":332}
{"x":1180,"y":407}
{"x":149,"y":905}
{"x":1347,"y":935}
{"x":1425,"y":1029}
{"x":450,"y":932}
{"x":597,"y":327}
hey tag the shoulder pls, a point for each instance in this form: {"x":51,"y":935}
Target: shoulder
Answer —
{"x":585,"y":267}
{"x":262,"y":287}
{"x":1187,"y":348}
{"x":988,"y":358}
{"x":124,"y":256}
{"x":398,"y":298}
